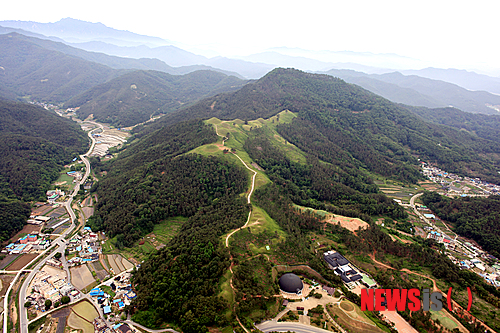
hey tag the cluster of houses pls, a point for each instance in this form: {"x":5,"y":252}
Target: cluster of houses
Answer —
{"x":86,"y":246}
{"x":349,"y":273}
{"x":27,"y":244}
{"x":47,"y":286}
{"x":121,"y":286}
{"x":440,"y":237}
{"x":452,"y":184}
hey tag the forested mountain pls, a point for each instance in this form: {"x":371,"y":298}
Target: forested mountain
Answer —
{"x":133,"y":97}
{"x":35,"y":144}
{"x":45,"y":75}
{"x":345,"y":117}
{"x":419,"y":91}
{"x":345,"y":135}
{"x":482,"y":125}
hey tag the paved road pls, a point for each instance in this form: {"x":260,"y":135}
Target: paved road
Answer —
{"x":59,"y":243}
{"x":131,"y":323}
{"x":273,"y":326}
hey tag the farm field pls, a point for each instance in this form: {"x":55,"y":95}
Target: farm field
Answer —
{"x":21,"y":261}
{"x":82,"y":316}
{"x":118,"y":263}
{"x":81,"y":276}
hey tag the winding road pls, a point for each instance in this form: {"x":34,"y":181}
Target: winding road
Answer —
{"x":59,"y":242}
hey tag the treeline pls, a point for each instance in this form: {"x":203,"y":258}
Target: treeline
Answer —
{"x":34,"y":145}
{"x":150,"y":182}
{"x":337,"y":186}
{"x":475,"y":218}
{"x":180,"y":282}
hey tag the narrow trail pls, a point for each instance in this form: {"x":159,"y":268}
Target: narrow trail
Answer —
{"x":249,"y":200}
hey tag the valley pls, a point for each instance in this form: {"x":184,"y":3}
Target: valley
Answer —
{"x":179,"y":202}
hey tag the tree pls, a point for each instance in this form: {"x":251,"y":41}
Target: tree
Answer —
{"x":58,"y":255}
{"x":27,"y":304}
{"x":48,"y":304}
{"x":65,"y":300}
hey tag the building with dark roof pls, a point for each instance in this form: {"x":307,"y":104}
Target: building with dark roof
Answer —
{"x":335,"y":259}
{"x":291,"y":283}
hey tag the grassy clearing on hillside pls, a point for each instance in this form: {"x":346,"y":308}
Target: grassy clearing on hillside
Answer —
{"x":162,"y":233}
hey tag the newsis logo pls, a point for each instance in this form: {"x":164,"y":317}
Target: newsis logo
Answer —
{"x":402,"y":299}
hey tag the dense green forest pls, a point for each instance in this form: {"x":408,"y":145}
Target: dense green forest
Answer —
{"x":475,"y":218}
{"x":35,"y":144}
{"x":146,"y":185}
{"x":133,"y":97}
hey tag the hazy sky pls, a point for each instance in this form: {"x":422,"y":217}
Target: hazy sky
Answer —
{"x":447,"y":33}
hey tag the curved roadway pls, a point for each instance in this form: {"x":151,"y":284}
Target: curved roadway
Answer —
{"x":60,"y":242}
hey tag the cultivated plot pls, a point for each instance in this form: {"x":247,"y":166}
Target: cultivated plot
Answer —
{"x":81,"y":277}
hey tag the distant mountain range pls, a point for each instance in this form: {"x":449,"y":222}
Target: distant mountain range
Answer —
{"x":419,"y":91}
{"x":77,"y":31}
{"x":125,"y":50}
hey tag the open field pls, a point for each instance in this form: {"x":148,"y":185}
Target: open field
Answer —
{"x":81,"y":276}
{"x":22,"y":261}
{"x":65,"y":182}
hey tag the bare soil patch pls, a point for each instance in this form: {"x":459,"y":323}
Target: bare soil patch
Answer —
{"x":349,"y":223}
{"x":6,"y":280}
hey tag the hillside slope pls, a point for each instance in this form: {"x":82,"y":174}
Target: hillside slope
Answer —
{"x":383,"y":137}
{"x":133,"y":97}
{"x":35,"y":144}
